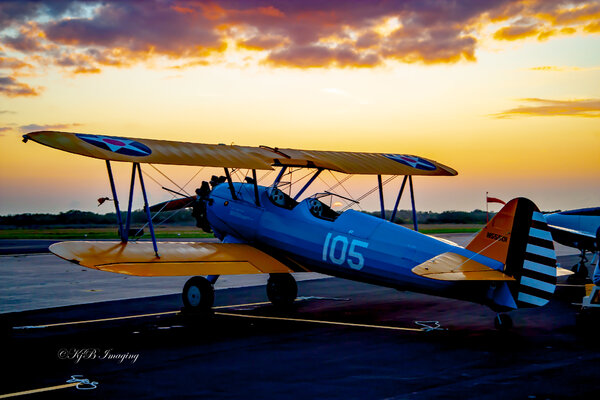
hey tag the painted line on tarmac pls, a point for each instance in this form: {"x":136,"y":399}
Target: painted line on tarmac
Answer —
{"x":315,"y":321}
{"x":45,"y":389}
{"x":90,"y":321}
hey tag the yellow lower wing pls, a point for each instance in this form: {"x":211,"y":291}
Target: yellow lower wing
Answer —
{"x":176,"y":258}
{"x":454,"y":267}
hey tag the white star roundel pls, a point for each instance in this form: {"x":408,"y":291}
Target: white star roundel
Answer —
{"x":412,"y":161}
{"x":118,"y":145}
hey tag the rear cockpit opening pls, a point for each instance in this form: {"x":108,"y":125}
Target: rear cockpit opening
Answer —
{"x":280,"y":199}
{"x":321,"y":210}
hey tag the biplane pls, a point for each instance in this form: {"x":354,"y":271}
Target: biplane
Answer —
{"x":269,"y":229}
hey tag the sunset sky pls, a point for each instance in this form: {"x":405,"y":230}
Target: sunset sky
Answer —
{"x":505,"y":92}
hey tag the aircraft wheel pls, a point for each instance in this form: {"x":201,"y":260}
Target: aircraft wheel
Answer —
{"x":581,"y":271}
{"x":580,"y":274}
{"x":198,"y":295}
{"x":503,"y":322}
{"x":282,"y":290}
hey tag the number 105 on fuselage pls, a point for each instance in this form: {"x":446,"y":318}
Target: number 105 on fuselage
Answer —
{"x":340,"y":249}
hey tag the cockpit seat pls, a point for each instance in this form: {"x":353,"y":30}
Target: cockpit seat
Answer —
{"x":277,"y":197}
{"x":316,"y":207}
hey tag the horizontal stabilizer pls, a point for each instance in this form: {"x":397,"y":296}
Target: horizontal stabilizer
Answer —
{"x":176,"y":258}
{"x":454,"y":267}
{"x":563,"y":272}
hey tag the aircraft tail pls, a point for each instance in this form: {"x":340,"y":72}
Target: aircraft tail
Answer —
{"x":518,"y":236}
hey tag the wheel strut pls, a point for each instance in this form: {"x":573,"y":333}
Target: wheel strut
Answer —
{"x":503,"y":322}
{"x":282,"y":290}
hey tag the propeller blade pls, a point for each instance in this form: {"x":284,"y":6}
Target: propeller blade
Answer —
{"x":174,"y":204}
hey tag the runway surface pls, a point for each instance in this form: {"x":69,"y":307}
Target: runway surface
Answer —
{"x":342,"y":340}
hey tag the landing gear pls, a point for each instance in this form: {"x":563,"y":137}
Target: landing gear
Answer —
{"x":198,"y":295}
{"x":503,"y":322}
{"x":580,"y":270}
{"x":282,"y":290}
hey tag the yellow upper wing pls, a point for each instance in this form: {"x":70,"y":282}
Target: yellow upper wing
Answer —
{"x":211,"y":155}
{"x":176,"y":258}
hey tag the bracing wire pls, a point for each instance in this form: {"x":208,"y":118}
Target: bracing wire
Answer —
{"x":169,"y":179}
{"x":391,"y":178}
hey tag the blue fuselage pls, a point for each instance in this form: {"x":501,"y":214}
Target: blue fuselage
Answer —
{"x":354,"y":245}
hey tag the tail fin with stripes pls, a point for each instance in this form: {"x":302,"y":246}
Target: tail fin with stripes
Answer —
{"x":518,"y":236}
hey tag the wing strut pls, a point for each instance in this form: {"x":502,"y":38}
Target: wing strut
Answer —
{"x":398,"y":198}
{"x":395,"y":210}
{"x":311,"y":180}
{"x":380,"y":185}
{"x":125,"y":237}
{"x":115,"y":198}
{"x":230,"y":183}
{"x":255,"y":182}
{"x":412,"y":201}
{"x":124,"y":232}
{"x":147,"y":208}
{"x":279,"y":176}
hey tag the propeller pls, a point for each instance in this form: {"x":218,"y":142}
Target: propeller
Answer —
{"x":175,"y":204}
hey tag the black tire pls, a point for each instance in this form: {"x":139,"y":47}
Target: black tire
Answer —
{"x":282,"y":290}
{"x":198,"y":295}
{"x":503,"y":322}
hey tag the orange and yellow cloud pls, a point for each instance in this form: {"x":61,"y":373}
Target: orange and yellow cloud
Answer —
{"x":84,"y":37}
{"x":589,"y":108}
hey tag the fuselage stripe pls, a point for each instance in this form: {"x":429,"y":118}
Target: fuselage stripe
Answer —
{"x":547,"y":244}
{"x":537,"y":216}
{"x":527,"y":298}
{"x":539,"y":225}
{"x":534,"y":283}
{"x":540,"y":251}
{"x":540,"y":234}
{"x":538,"y":277}
{"x":540,"y":259}
{"x":542,"y":294}
{"x":541,"y":268}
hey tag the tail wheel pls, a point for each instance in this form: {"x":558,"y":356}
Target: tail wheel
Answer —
{"x":282,"y":290}
{"x":198,"y":295}
{"x":503,"y":322}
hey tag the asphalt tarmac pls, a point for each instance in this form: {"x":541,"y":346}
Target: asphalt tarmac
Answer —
{"x":342,"y":340}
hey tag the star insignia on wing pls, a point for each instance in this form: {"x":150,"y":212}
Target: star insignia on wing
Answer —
{"x":118,"y":145}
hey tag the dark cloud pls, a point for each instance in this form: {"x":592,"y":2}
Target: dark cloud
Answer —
{"x":36,"y":127}
{"x":79,"y":63}
{"x":16,"y":12}
{"x":319,"y":56}
{"x":10,"y":87}
{"x":139,"y":27}
{"x":13,"y":63}
{"x":262,"y":43}
{"x":84,"y":37}
{"x":554,"y":108}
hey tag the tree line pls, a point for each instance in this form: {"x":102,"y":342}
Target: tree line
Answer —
{"x":87,"y":218}
{"x":184,"y":217}
{"x":430,"y":217}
